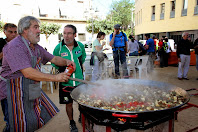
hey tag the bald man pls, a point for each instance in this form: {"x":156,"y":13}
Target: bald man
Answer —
{"x":183,"y":54}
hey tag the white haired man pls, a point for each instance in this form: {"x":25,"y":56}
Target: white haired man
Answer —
{"x":183,"y":54}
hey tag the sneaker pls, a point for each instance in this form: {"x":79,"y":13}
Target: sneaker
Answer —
{"x":180,"y":78}
{"x":73,"y":127}
{"x":185,"y":78}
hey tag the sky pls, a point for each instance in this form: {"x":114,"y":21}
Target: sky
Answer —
{"x":104,"y":5}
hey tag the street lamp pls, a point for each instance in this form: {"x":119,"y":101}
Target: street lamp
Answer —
{"x":93,"y":14}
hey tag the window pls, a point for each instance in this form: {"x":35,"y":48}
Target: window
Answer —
{"x":137,"y":19}
{"x":173,"y":5}
{"x":153,"y":14}
{"x":141,"y":17}
{"x":172,"y":12}
{"x":162,"y":11}
{"x":62,"y":14}
{"x":153,"y":10}
{"x":81,"y":37}
{"x":163,"y":8}
{"x":196,"y":8}
{"x":42,"y":13}
{"x":80,"y":1}
{"x":185,"y":6}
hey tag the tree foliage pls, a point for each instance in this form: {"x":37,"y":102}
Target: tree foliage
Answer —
{"x":103,"y":26}
{"x":120,"y":13}
{"x":49,"y":28}
{"x":1,"y":26}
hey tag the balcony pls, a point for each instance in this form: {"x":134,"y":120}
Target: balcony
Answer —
{"x":162,"y":16}
{"x":153,"y":17}
{"x":184,"y":12}
{"x":196,"y":10}
{"x":172,"y":14}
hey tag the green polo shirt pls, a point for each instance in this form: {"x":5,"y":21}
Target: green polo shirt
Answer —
{"x":77,"y":55}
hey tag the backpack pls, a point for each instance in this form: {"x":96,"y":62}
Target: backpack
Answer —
{"x":124,"y":39}
{"x":165,"y":46}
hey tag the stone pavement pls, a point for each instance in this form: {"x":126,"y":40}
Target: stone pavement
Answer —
{"x":187,"y":119}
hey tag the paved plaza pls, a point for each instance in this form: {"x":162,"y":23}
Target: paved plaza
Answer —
{"x":187,"y":119}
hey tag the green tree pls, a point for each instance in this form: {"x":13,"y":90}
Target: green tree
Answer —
{"x":99,"y":25}
{"x":121,"y":13}
{"x":49,"y":28}
{"x":1,"y":26}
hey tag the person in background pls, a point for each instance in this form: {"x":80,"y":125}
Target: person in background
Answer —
{"x":150,"y":51}
{"x":10,"y":31}
{"x":196,"y":52}
{"x":29,"y":107}
{"x":167,"y":50}
{"x":161,"y":52}
{"x":183,"y":54}
{"x":97,"y":54}
{"x":155,"y":43}
{"x":118,"y":42}
{"x":70,"y":49}
{"x":133,"y":46}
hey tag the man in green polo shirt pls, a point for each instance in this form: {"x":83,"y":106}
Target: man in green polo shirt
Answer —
{"x":70,"y":49}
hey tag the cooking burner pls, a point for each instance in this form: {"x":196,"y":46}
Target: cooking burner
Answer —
{"x":142,"y":122}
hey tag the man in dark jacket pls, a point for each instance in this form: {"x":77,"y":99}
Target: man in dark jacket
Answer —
{"x":196,"y":52}
{"x":10,"y":31}
{"x":183,"y":54}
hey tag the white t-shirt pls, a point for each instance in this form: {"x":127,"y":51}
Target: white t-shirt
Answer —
{"x":169,"y":48}
{"x":133,"y":46}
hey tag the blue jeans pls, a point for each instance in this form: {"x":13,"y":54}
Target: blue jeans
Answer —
{"x":120,"y":56}
{"x":135,"y":53}
{"x":4,"y":106}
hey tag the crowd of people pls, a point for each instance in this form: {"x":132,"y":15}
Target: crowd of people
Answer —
{"x":26,"y":107}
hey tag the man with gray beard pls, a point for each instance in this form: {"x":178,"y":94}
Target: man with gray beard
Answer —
{"x":29,"y":107}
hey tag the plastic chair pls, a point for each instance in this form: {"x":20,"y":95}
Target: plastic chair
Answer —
{"x":132,"y":64}
{"x":142,"y":65}
{"x":47,"y":69}
{"x":110,"y":71}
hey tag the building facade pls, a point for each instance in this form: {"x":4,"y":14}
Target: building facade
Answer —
{"x":62,"y":12}
{"x":168,"y":18}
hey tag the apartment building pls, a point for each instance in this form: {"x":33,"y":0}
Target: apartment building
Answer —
{"x":166,"y":18}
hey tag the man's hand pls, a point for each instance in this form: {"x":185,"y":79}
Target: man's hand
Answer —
{"x":62,"y":77}
{"x":71,"y":63}
{"x":179,"y":59}
{"x":114,"y":33}
{"x":57,"y":60}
